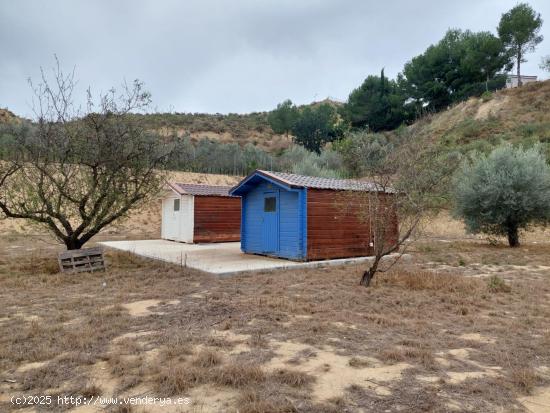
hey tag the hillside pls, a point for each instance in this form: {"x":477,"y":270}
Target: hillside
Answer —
{"x":511,"y":115}
{"x":249,"y":128}
{"x":7,"y":116}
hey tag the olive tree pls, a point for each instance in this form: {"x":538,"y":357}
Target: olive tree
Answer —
{"x":503,"y":192}
{"x":75,"y":171}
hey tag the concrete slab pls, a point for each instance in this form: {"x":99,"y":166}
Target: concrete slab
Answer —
{"x":220,"y":258}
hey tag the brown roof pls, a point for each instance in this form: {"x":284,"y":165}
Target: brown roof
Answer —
{"x":303,"y":181}
{"x":200,"y":190}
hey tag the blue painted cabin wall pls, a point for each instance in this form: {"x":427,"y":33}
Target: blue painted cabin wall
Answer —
{"x":292,"y":220}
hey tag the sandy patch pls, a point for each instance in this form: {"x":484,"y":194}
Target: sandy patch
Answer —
{"x":428,"y":379}
{"x":231,"y":335}
{"x":142,"y":308}
{"x":443,"y":362}
{"x":132,"y":335}
{"x":29,"y":366}
{"x":486,"y":109}
{"x":99,"y":374}
{"x":27,"y":317}
{"x":463,"y":355}
{"x":457,"y":377}
{"x":340,"y":324}
{"x":210,"y":399}
{"x":459,"y":353}
{"x":240,"y":342}
{"x":539,"y":402}
{"x":333,"y":372}
{"x":151,"y":356}
{"x":295,"y":317}
{"x":476,"y":337}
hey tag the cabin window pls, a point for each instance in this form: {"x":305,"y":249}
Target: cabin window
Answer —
{"x":270,"y":204}
{"x":176,"y":204}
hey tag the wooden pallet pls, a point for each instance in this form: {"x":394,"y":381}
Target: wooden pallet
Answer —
{"x":83,"y":260}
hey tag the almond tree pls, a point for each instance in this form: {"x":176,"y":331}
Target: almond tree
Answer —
{"x":412,"y":183}
{"x":76,"y":171}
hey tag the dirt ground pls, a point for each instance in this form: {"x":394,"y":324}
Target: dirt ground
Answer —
{"x":462,"y":326}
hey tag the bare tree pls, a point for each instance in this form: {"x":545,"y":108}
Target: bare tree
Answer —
{"x":412,"y":184}
{"x":76,"y":171}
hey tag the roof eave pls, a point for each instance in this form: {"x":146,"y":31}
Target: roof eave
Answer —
{"x":175,"y":188}
{"x":265,"y":175}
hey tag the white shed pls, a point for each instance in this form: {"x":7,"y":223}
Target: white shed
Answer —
{"x":200,"y":213}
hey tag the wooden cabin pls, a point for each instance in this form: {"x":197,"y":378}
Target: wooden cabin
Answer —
{"x":308,"y":218}
{"x":200,"y":213}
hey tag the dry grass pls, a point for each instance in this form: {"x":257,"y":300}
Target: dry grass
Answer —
{"x":91,"y":390}
{"x":496,"y":284}
{"x":176,"y":348}
{"x":358,"y":363}
{"x":206,"y":358}
{"x":257,"y":401}
{"x":292,"y":378}
{"x":237,"y":374}
{"x":524,"y":379}
{"x":222,"y":331}
{"x":431,"y":281}
{"x":174,"y":380}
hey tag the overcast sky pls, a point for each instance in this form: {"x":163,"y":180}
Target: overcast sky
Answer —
{"x":231,"y":56}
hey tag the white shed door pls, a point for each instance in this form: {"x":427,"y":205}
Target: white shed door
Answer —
{"x":187,"y":218}
{"x":171,"y":218}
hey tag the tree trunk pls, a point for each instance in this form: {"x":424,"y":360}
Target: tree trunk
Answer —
{"x":73,"y":244}
{"x":367,"y":277}
{"x":369,"y":274}
{"x":518,"y":69}
{"x":513,"y":237}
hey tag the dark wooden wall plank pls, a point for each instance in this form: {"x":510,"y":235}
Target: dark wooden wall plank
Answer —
{"x":338,"y":225}
{"x":217,"y":219}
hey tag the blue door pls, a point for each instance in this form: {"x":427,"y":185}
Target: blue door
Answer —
{"x":270,"y":222}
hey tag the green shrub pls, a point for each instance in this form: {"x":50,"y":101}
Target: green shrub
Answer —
{"x":503,"y":192}
{"x":211,"y":156}
{"x":486,"y":96}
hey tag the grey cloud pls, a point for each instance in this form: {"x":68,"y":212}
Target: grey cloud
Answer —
{"x":238,"y":56}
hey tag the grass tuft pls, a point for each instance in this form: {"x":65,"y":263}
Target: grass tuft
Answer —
{"x":292,"y":378}
{"x":239,"y":375}
{"x":206,"y":358}
{"x":495,"y":284}
{"x":431,"y":281}
{"x":255,"y":401}
{"x":178,"y":379}
{"x":524,"y":379}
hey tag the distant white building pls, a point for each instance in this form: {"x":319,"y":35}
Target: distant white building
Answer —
{"x":512,"y":80}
